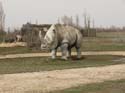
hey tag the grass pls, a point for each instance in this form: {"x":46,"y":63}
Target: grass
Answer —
{"x":103,"y":44}
{"x":105,"y":41}
{"x":111,"y":34}
{"x":22,"y":65}
{"x":12,"y":50}
{"x":89,"y":44}
{"x":17,"y":50}
{"x":105,"y":87}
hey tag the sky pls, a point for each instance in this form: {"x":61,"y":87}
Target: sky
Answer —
{"x":105,"y":12}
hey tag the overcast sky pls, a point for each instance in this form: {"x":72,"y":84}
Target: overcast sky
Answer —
{"x":104,"y":12}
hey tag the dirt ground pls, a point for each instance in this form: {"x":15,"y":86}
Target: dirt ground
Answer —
{"x":46,"y":81}
{"x":15,"y":44}
{"x":59,"y":79}
{"x":115,"y":53}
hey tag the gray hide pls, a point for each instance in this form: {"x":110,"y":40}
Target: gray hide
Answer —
{"x":65,"y":37}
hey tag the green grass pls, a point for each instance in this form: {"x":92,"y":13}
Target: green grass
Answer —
{"x":111,"y":34}
{"x":89,"y":44}
{"x":105,"y":41}
{"x":21,"y":65}
{"x":17,"y":50}
{"x":102,"y":44}
{"x":12,"y":50}
{"x":105,"y":87}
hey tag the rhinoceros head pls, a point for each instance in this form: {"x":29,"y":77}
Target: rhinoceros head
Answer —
{"x":50,"y":38}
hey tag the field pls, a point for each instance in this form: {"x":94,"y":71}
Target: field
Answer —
{"x":105,"y":41}
{"x":105,"y":87}
{"x":17,"y":50}
{"x":21,"y":65}
{"x":50,"y":81}
{"x":27,"y":74}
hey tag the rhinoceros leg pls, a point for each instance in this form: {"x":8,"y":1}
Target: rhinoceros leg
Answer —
{"x":64,"y":48}
{"x":53,"y":53}
{"x":78,"y":52}
{"x":69,"y":53}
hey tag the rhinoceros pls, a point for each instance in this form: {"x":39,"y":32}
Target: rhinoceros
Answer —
{"x":64,"y":37}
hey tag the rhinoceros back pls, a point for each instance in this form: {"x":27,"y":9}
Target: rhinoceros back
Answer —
{"x":68,"y":34}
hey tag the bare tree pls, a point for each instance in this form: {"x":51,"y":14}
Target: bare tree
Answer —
{"x":88,"y":22}
{"x":77,"y":21}
{"x":85,"y":20}
{"x":58,"y":20}
{"x":93,"y":22}
{"x":67,"y":20}
{"x":2,"y":17}
{"x":71,"y":21}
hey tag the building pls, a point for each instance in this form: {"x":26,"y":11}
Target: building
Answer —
{"x":30,"y":33}
{"x":28,"y":27}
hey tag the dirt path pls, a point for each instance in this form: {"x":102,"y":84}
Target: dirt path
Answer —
{"x":14,"y":44}
{"x":58,"y":79}
{"x":117,"y":53}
